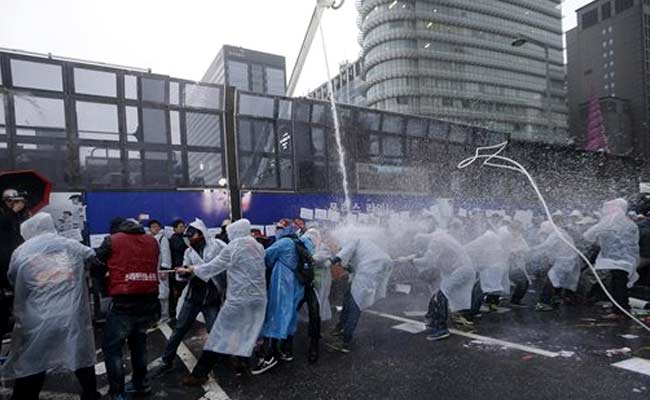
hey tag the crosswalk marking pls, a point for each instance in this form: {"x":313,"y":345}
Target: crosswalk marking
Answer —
{"x":485,"y":339}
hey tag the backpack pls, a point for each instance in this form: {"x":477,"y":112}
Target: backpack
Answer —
{"x":304,"y":270}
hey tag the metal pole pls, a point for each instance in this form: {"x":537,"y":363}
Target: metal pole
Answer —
{"x":549,"y":113}
{"x":230,"y":149}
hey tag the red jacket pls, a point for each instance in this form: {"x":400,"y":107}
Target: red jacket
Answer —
{"x":133,"y":264}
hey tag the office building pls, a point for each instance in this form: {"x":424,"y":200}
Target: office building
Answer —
{"x":348,"y":85}
{"x":458,"y":60}
{"x":248,"y":70}
{"x":608,"y":57}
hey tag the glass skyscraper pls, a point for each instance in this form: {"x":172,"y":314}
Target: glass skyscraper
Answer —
{"x":454,"y":59}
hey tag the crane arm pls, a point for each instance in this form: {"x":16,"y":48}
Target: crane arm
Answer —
{"x":308,"y":40}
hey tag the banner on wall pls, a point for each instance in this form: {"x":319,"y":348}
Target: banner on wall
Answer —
{"x":68,"y":210}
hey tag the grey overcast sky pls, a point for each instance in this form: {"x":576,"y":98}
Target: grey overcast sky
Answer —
{"x":180,"y":38}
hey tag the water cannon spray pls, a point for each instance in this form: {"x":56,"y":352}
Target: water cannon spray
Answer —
{"x":492,"y":158}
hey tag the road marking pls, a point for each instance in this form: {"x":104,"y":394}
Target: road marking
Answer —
{"x":634,"y":364}
{"x":485,"y":339}
{"x":212,"y":390}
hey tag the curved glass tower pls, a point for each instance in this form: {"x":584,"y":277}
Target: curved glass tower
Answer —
{"x":458,"y":60}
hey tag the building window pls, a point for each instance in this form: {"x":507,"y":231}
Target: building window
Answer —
{"x":202,"y":96}
{"x":203,"y":129}
{"x":590,"y":18}
{"x":154,"y":127}
{"x":98,"y":83}
{"x":36,"y":75}
{"x":39,"y":112}
{"x":622,"y":5}
{"x":275,"y":82}
{"x":606,"y":11}
{"x":153,"y":90}
{"x":238,"y":75}
{"x":97,"y":121}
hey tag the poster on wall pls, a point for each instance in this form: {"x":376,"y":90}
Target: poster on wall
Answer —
{"x":68,"y":210}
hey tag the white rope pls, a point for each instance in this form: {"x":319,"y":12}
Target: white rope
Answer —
{"x":519,"y":168}
{"x":335,"y":117}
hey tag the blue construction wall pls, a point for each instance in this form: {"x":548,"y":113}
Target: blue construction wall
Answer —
{"x":260,"y":208}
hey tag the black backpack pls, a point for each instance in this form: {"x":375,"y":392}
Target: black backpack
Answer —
{"x":304,"y":270}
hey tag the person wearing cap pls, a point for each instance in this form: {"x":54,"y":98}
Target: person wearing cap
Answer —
{"x":13,"y":212}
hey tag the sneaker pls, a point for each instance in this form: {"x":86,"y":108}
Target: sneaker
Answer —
{"x":462,"y":321}
{"x":191,"y":380}
{"x":139,"y":390}
{"x":285,"y":355}
{"x":438,"y":335}
{"x":543,"y":307}
{"x":163,"y":370}
{"x":339,"y":345}
{"x":263,"y":365}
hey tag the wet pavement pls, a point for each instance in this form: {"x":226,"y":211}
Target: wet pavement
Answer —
{"x":567,"y":357}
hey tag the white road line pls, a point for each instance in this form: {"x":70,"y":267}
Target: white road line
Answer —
{"x":486,"y":339}
{"x":212,"y":390}
{"x":634,"y":364}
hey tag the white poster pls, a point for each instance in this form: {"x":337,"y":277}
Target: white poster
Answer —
{"x":306,"y":213}
{"x":270,"y":230}
{"x":96,"y":240}
{"x":320,"y":214}
{"x":68,"y":212}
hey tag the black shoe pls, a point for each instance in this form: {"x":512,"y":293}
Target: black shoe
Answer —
{"x":312,"y":355}
{"x":285,"y":355}
{"x":263,"y":365}
{"x":163,"y":370}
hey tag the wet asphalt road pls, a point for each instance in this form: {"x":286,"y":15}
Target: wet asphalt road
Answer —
{"x":386,"y":363}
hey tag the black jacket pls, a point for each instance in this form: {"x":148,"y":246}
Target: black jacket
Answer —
{"x":147,"y":304}
{"x":206,"y":293}
{"x":644,"y":238}
{"x":177,"y":247}
{"x":10,"y":239}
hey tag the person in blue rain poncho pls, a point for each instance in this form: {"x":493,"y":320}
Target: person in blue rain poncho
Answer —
{"x":284,"y":295}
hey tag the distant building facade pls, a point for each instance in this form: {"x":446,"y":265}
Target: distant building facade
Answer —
{"x":608,"y":56}
{"x":248,"y":70}
{"x":348,"y":85}
{"x":455,"y":60}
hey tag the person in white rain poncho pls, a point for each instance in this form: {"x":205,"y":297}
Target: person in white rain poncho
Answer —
{"x":513,"y":242}
{"x":240,"y":320}
{"x":491,"y":262}
{"x":618,"y":238}
{"x":53,"y":329}
{"x":371,"y":268}
{"x":198,"y":297}
{"x":457,"y":279}
{"x":565,"y":269}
